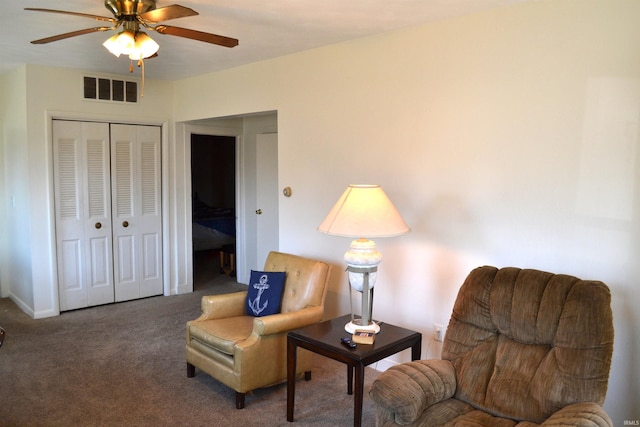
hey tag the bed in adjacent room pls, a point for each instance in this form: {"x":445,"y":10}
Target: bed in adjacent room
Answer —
{"x":213,"y":227}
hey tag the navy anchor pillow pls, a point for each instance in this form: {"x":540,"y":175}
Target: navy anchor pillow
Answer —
{"x":265,"y":293}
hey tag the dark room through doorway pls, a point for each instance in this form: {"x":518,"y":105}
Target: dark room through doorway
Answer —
{"x":213,"y":193}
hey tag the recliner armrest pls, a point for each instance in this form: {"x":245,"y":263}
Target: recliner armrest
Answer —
{"x":223,"y":305}
{"x":586,"y":414}
{"x":404,"y":391}
{"x":283,"y":322}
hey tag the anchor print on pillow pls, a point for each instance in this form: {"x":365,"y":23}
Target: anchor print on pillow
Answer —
{"x":264,"y":295}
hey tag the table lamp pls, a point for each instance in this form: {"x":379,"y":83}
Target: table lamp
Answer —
{"x":363,"y":211}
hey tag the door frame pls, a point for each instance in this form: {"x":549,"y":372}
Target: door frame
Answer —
{"x":238,"y":127}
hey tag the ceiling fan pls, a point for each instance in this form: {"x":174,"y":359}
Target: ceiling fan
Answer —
{"x":132,"y":16}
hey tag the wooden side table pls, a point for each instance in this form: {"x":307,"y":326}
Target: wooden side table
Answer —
{"x":324,"y":339}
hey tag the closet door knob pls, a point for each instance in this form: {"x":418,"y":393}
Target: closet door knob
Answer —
{"x":258,"y":211}
{"x":125,"y":224}
{"x":98,"y":225}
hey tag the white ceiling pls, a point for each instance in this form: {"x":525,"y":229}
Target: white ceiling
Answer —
{"x":265,"y":30}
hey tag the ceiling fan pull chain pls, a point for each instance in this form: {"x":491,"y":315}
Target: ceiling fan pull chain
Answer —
{"x":131,"y":66}
{"x":141,"y":64}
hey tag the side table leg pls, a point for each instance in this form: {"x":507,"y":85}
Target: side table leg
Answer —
{"x":416,"y":350}
{"x":291,"y":377}
{"x":349,"y":379}
{"x":358,"y":398}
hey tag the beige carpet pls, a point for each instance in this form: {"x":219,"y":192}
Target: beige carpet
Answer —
{"x":123,"y":365}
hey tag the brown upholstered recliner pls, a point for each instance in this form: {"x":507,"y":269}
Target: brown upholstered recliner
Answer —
{"x":523,"y":348}
{"x":246,"y":352}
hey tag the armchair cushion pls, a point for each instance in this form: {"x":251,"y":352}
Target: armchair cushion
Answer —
{"x":264,"y":295}
{"x":409,"y":388}
{"x":222,"y":334}
{"x":587,"y":414}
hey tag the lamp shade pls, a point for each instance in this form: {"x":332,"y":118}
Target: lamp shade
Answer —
{"x":364,"y":211}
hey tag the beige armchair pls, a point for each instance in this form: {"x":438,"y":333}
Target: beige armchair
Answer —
{"x":523,"y":348}
{"x":246,"y":352}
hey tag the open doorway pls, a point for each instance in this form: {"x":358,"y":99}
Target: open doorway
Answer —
{"x":213,"y":186}
{"x":245,"y":131}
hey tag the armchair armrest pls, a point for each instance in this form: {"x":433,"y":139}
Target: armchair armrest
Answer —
{"x":284,"y":322}
{"x":404,"y":391}
{"x":585,"y":414}
{"x":222,"y":306}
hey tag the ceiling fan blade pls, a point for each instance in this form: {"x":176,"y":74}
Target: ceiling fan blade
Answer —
{"x":169,"y":12}
{"x":71,"y":34}
{"x":197,"y":35}
{"x":64,"y":12}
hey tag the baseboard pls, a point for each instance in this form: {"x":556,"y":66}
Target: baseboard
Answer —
{"x":22,"y":305}
{"x":383,"y":364}
{"x":182,"y":289}
{"x":45,"y":313}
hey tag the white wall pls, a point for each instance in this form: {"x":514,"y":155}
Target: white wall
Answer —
{"x":507,"y":138}
{"x":15,"y":262}
{"x":35,"y":94}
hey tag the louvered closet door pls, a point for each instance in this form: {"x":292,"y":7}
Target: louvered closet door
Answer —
{"x":83,"y":213}
{"x":137,"y":221}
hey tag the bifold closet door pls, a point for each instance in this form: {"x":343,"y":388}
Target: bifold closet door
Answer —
{"x":83,"y":213}
{"x":136,"y":211}
{"x":108,"y":212}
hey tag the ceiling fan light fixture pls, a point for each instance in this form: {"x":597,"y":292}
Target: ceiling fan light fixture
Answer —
{"x":131,"y":15}
{"x":144,"y":47}
{"x":121,"y":43}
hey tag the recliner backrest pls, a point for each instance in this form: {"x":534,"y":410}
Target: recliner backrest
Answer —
{"x":302,"y":287}
{"x":525,"y":343}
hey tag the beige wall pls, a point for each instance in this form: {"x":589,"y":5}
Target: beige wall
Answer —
{"x":504,"y":138}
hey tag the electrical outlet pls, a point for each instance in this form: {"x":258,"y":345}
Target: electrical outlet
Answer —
{"x":438,"y":332}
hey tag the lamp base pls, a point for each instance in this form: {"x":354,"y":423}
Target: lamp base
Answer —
{"x":356,"y":324}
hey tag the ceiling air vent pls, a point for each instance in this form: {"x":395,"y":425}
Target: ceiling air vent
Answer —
{"x":110,"y":90}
